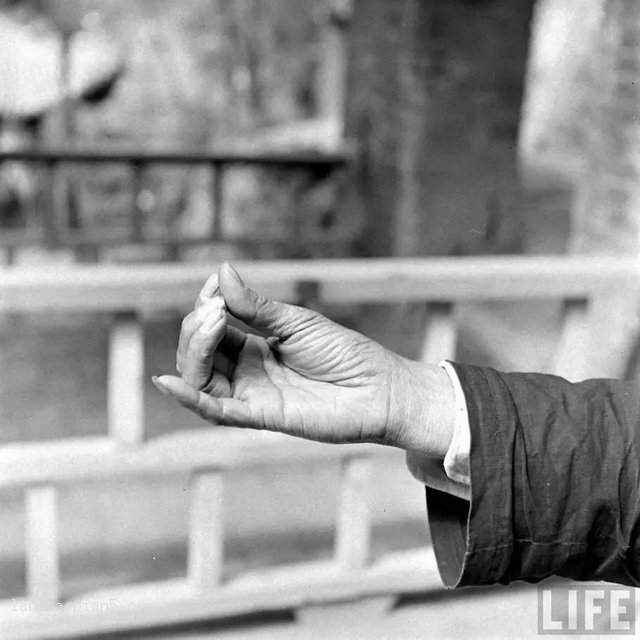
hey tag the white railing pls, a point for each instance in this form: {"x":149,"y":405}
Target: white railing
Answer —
{"x":127,"y":292}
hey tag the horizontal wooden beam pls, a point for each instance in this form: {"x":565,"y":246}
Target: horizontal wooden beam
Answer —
{"x":221,"y":156}
{"x":163,"y":603}
{"x":77,"y":459}
{"x":350,"y":281}
{"x":108,"y":238}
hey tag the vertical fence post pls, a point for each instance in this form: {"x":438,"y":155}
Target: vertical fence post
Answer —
{"x":41,"y":546}
{"x":571,"y":352}
{"x":52,"y":215}
{"x":331,"y":78}
{"x":137,"y":214}
{"x":9,"y":256}
{"x":440,"y":334}
{"x":206,"y":531}
{"x":217,"y":178}
{"x":125,"y":386}
{"x":353,"y":524}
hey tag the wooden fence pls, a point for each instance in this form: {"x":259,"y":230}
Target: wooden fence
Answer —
{"x":41,"y":468}
{"x":60,"y":225}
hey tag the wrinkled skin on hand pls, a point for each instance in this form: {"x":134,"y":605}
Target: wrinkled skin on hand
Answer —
{"x":310,"y":377}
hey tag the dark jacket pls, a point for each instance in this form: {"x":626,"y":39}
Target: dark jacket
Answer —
{"x":555,"y":473}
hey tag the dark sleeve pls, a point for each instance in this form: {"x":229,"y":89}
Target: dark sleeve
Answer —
{"x":555,"y":472}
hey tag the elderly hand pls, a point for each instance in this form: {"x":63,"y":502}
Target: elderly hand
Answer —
{"x":309,"y":377}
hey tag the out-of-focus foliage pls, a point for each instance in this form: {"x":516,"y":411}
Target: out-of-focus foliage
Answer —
{"x":31,"y":66}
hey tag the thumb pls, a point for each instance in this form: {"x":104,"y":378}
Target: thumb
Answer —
{"x":272,"y":317}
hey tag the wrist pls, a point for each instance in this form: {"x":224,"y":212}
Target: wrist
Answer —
{"x":423,"y":406}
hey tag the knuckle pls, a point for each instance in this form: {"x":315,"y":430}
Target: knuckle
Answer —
{"x":300,"y":319}
{"x":201,"y":407}
{"x":207,"y":349}
{"x":196,"y":345}
{"x":187,"y":322}
{"x":303,"y":315}
{"x":261,"y":303}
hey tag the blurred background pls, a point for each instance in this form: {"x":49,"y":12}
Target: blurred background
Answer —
{"x":169,"y":133}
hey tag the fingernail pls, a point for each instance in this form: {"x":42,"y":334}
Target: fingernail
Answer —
{"x":206,"y":298}
{"x":160,"y":386}
{"x":233,"y":272}
{"x":210,"y":287}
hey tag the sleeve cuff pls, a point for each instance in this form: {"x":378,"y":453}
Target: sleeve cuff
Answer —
{"x":472,"y":540}
{"x":456,"y":461}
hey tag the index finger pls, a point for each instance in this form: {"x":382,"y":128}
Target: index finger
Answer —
{"x":208,"y":291}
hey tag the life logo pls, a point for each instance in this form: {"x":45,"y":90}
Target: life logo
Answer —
{"x":586,"y":609}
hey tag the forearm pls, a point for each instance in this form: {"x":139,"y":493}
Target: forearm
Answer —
{"x":449,"y":473}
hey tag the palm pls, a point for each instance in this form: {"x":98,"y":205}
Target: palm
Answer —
{"x":318,"y":384}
